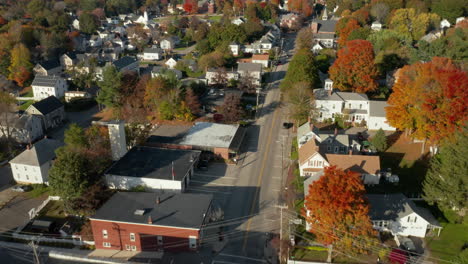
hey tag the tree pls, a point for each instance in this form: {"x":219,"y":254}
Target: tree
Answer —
{"x":407,"y":23}
{"x":191,"y":6}
{"x":20,"y":68}
{"x":75,"y":137}
{"x":351,"y":25}
{"x":110,"y":86}
{"x":68,"y":176}
{"x":360,"y":33}
{"x":304,"y":38}
{"x":449,"y":9}
{"x":247,"y":83}
{"x":211,"y":60}
{"x":447,"y":175}
{"x":7,"y":119}
{"x":35,"y":7}
{"x":380,"y":12}
{"x":155,"y":90}
{"x":354,"y":69}
{"x":220,"y":78}
{"x":379,"y":141}
{"x":302,"y":68}
{"x":338,"y":212}
{"x":192,"y":101}
{"x":231,"y":109}
{"x":88,"y":23}
{"x":299,"y":99}
{"x":429,"y":101}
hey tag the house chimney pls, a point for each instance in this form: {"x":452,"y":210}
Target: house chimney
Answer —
{"x":150,"y":221}
{"x":329,"y":92}
{"x":336,"y":131}
{"x":28,"y":147}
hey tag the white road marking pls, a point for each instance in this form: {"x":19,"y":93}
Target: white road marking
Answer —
{"x":211,"y":183}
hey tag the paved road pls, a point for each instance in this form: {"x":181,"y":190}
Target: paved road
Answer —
{"x":83,"y":119}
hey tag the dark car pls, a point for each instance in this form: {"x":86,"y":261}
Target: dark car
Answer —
{"x":203,"y":165}
{"x":21,"y":188}
{"x":287,"y":125}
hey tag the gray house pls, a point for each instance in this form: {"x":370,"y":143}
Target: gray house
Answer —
{"x":50,"y":110}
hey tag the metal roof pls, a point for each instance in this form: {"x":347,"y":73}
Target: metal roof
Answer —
{"x":204,"y":134}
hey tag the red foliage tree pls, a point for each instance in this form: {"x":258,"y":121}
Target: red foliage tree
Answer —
{"x":21,"y":76}
{"x":354,"y":70}
{"x":430,"y":100}
{"x":344,"y":32}
{"x":337,"y":211}
{"x":238,"y":4}
{"x":191,"y":99}
{"x":191,"y":6}
{"x":3,"y":21}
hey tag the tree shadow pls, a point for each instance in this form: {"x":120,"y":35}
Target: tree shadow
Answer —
{"x":268,"y":109}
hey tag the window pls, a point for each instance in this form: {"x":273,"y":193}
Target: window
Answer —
{"x":321,"y":114}
{"x":333,"y":115}
{"x":336,"y":149}
{"x":104,"y":233}
{"x":106,"y":244}
{"x":415,"y":219}
{"x":127,"y":247}
{"x":25,"y":168}
{"x":132,"y":236}
{"x":27,"y":177}
{"x":160,"y":240}
{"x":349,"y":105}
{"x":192,"y":241}
{"x":333,"y":107}
{"x":360,"y":106}
{"x":133,"y":248}
{"x":408,"y":219}
{"x":342,"y":149}
{"x":328,"y":148}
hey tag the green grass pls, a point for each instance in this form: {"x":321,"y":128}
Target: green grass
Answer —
{"x":215,"y":18}
{"x":450,"y":243}
{"x":54,"y":209}
{"x":294,"y":149}
{"x":38,"y":190}
{"x":28,"y":94}
{"x":309,"y":255}
{"x":26,"y":105}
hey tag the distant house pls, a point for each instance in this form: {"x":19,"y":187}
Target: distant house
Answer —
{"x":263,"y":59}
{"x":127,"y":63}
{"x":399,"y":215}
{"x":211,"y":75}
{"x":378,"y":116}
{"x":95,"y":41}
{"x":171,"y":63}
{"x":161,"y":221}
{"x":444,"y":24}
{"x":76,"y":24}
{"x":68,"y":60}
{"x":154,"y":168}
{"x":376,"y":26}
{"x":48,"y":68}
{"x":45,"y":86}
{"x":50,"y":110}
{"x":238,"y":21}
{"x":317,"y":48}
{"x":169,"y":43}
{"x":324,"y":32}
{"x":23,"y":128}
{"x":161,"y":71}
{"x":152,"y":54}
{"x":289,"y":20}
{"x":33,"y":164}
{"x":70,"y":95}
{"x":235,"y":48}
{"x":252,"y":69}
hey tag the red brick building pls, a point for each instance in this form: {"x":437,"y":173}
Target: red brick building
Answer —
{"x":139,"y":221}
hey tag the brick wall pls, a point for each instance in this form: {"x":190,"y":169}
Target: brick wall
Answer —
{"x":221,"y":152}
{"x":118,"y":235}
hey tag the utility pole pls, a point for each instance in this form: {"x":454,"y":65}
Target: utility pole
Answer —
{"x":281,"y":230}
{"x":36,"y":257}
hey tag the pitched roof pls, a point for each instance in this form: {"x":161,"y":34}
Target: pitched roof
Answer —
{"x":307,"y":150}
{"x":205,"y":134}
{"x":185,"y":210}
{"x":310,"y":180}
{"x":303,"y":130}
{"x":152,"y":50}
{"x":50,"y":64}
{"x":40,"y":153}
{"x":260,"y":57}
{"x":47,"y":105}
{"x":123,"y":62}
{"x":377,"y":108}
{"x":348,"y":96}
{"x":48,"y":81}
{"x":395,"y":206}
{"x":356,"y":163}
{"x":325,"y":25}
{"x":249,"y":67}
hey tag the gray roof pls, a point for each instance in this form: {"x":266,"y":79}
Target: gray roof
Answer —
{"x":48,"y":81}
{"x":48,"y":105}
{"x":156,"y":163}
{"x":249,"y":67}
{"x":303,"y":130}
{"x":123,"y":62}
{"x":40,"y":153}
{"x":348,"y":96}
{"x":343,"y":139}
{"x":324,"y":36}
{"x":152,"y":50}
{"x":309,"y":181}
{"x":185,"y":210}
{"x":322,"y":94}
{"x":377,"y":108}
{"x":325,"y":25}
{"x":204,"y":134}
{"x":396,"y":206}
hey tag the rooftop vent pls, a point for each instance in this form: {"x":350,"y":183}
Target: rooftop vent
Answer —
{"x":139,"y":212}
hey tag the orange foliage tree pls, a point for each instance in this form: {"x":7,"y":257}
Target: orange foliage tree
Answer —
{"x":354,"y":69}
{"x":430,"y":100}
{"x":344,"y":32}
{"x":304,"y":7}
{"x":191,"y":6}
{"x":337,"y":211}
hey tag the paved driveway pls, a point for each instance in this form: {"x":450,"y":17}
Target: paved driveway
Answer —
{"x":83,"y":119}
{"x":15,"y":212}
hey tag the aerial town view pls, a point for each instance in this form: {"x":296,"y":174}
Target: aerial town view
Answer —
{"x":234,"y":131}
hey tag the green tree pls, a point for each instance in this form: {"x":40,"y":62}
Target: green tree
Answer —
{"x":409,"y":24}
{"x":449,"y":9}
{"x":379,"y":141}
{"x":88,"y":23}
{"x":299,"y":99}
{"x":448,"y":175}
{"x":75,"y":137}
{"x":68,"y":176}
{"x":302,"y":68}
{"x":110,"y":87}
{"x":20,"y":68}
{"x":304,"y":38}
{"x":35,"y":7}
{"x":359,"y":33}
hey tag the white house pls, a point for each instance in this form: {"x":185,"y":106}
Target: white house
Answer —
{"x":45,"y":86}
{"x":153,"y":168}
{"x":76,"y":24}
{"x":171,"y":63}
{"x":211,"y":75}
{"x":238,"y":21}
{"x":33,"y":164}
{"x":169,"y":43}
{"x":235,"y":48}
{"x":152,"y":54}
{"x":252,"y":69}
{"x":263,"y":59}
{"x":143,"y":19}
{"x":378,"y":116}
{"x":317,"y":48}
{"x":23,"y":129}
{"x":46,"y":68}
{"x":95,"y":41}
{"x":444,"y":24}
{"x":376,"y":26}
{"x":399,"y":215}
{"x":324,"y":32}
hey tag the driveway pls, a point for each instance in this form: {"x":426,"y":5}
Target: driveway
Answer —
{"x":82,"y":118}
{"x":15,"y":212}
{"x":6,"y":178}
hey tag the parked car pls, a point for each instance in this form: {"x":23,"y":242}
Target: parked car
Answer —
{"x":203,"y":165}
{"x":407,"y":245}
{"x":21,"y":188}
{"x":287,"y":125}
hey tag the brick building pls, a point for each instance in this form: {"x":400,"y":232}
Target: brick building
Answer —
{"x":140,"y":221}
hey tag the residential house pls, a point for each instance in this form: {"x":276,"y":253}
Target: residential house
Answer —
{"x":235,"y":48}
{"x":171,"y":63}
{"x":263,"y":45}
{"x":45,"y":86}
{"x":127,"y":63}
{"x":162,"y":71}
{"x":305,"y":133}
{"x":50,"y":110}
{"x":154,"y":168}
{"x":71,"y":95}
{"x":289,"y":20}
{"x":397,"y":214}
{"x":113,"y":20}
{"x":444,"y":24}
{"x":143,"y":19}
{"x":190,"y":64}
{"x":68,"y":60}
{"x":238,"y":21}
{"x":105,"y":34}
{"x":152,"y":54}
{"x":110,"y":51}
{"x":252,"y":69}
{"x":161,"y":221}
{"x":211,"y":76}
{"x":317,"y":48}
{"x":47,"y":68}
{"x":33,"y":164}
{"x":263,"y":59}
{"x":376,"y":26}
{"x":76,"y":24}
{"x":23,"y":128}
{"x":169,"y":43}
{"x":324,"y":32}
{"x":378,"y":116}
{"x":95,"y":41}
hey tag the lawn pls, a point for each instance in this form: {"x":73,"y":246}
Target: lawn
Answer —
{"x":26,"y":105}
{"x":303,"y":254}
{"x":450,"y":243}
{"x":215,"y":18}
{"x":53,"y":209}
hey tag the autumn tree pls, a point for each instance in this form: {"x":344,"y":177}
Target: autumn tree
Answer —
{"x":407,"y":23}
{"x":220,"y":78}
{"x":247,"y":83}
{"x":304,"y":38}
{"x":300,"y":101}
{"x":7,"y":119}
{"x":88,"y":23}
{"x":380,"y":12}
{"x":429,"y":101}
{"x":447,"y":175}
{"x":338,"y":212}
{"x":354,"y":69}
{"x":351,"y":25}
{"x":231,"y":109}
{"x":191,"y":6}
{"x":20,"y":68}
{"x":449,"y":9}
{"x":132,"y":108}
{"x":302,"y":68}
{"x":192,"y":101}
